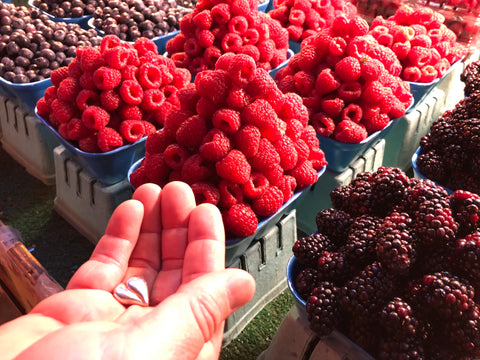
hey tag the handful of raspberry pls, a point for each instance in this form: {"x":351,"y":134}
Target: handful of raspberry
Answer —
{"x":112,"y":95}
{"x":218,"y":27}
{"x":348,"y":81}
{"x":239,"y":142}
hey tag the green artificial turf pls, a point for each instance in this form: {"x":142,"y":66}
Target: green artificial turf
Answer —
{"x":26,"y":204}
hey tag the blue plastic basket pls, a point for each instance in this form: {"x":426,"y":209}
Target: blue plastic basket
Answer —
{"x":109,"y":167}
{"x":160,"y":41}
{"x":293,"y":269}
{"x":419,"y":175}
{"x":273,"y":72}
{"x":28,"y":93}
{"x":294,"y":46}
{"x":81,"y":21}
{"x":263,"y":7}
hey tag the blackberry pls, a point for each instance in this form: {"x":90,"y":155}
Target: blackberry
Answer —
{"x":465,"y":208}
{"x":368,"y":291}
{"x":464,"y":333}
{"x":467,"y":257}
{"x":389,"y":187}
{"x":354,"y":198}
{"x":361,"y":241}
{"x":394,"y":246}
{"x":430,"y":260}
{"x":434,"y":223}
{"x":397,"y":318}
{"x":465,"y":180}
{"x":307,"y":249}
{"x":333,"y":266}
{"x":364,"y":331}
{"x":306,"y":281}
{"x":430,"y":164}
{"x":469,"y":133}
{"x":421,"y":190}
{"x":442,"y":133}
{"x":442,"y":295}
{"x":334,"y":224}
{"x":471,"y":77}
{"x":324,"y":314}
{"x":391,"y":347}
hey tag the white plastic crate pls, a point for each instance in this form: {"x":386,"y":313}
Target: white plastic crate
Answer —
{"x":266,"y":260}
{"x":318,"y":197}
{"x":84,"y":202}
{"x":27,"y":140}
{"x":294,"y":340}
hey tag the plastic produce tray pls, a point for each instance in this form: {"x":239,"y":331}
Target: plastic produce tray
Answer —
{"x":265,"y":260}
{"x":109,"y":167}
{"x":318,"y":197}
{"x":26,"y":139}
{"x":81,"y":199}
{"x":28,"y":94}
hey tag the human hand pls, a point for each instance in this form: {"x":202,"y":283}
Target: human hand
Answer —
{"x":179,"y":249}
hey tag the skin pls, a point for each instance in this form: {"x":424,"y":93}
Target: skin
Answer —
{"x":179,"y":248}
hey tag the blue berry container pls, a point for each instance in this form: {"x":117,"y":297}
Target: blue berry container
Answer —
{"x":417,"y":173}
{"x":160,"y":41}
{"x":263,"y":6}
{"x":110,"y":167}
{"x":294,"y":46}
{"x":81,"y":21}
{"x":293,"y":269}
{"x":237,"y":246}
{"x":273,"y":72}
{"x":28,"y":93}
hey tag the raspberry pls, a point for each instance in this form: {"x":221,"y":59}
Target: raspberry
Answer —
{"x":429,"y":73}
{"x":350,"y":132}
{"x":296,"y":17}
{"x":155,"y":167}
{"x":260,"y":114}
{"x":132,"y":130}
{"x":221,"y":13}
{"x":348,"y":69}
{"x":157,"y":142}
{"x":230,"y":193}
{"x":350,"y":91}
{"x":234,"y":167}
{"x":62,"y":110}
{"x":206,"y":107}
{"x":191,"y":132}
{"x":131,"y":92}
{"x":129,"y":72}
{"x":327,"y":81}
{"x":304,"y":174}
{"x":86,"y":81}
{"x":192,"y":47}
{"x":269,"y":202}
{"x":247,"y":140}
{"x":95,"y":118}
{"x":86,"y":98}
{"x":231,"y":42}
{"x":266,"y":49}
{"x":240,"y":220}
{"x":288,"y":154}
{"x":175,"y":156}
{"x":303,"y":150}
{"x":250,"y":37}
{"x":266,"y":157}
{"x":205,"y":193}
{"x":238,"y":25}
{"x":304,"y":82}
{"x":196,"y":169}
{"x":213,"y":84}
{"x":116,"y":57}
{"x":68,"y":89}
{"x":337,"y":46}
{"x":241,"y":69}
{"x":226,"y":120}
{"x":411,"y":73}
{"x":152,"y":99}
{"x":255,"y":186}
{"x":58,"y":75}
{"x":144,"y":45}
{"x":106,"y":78}
{"x":203,"y":19}
{"x":90,"y":59}
{"x":205,"y":39}
{"x":215,"y":145}
{"x":130,"y":112}
{"x":76,"y":130}
{"x":252,"y":51}
{"x":149,"y":76}
{"x":43,"y":108}
{"x":138,"y":177}
{"x":108,"y":139}
{"x":419,"y":56}
{"x":376,"y":122}
{"x":332,"y":105}
{"x":89,"y":144}
{"x":323,"y":124}
{"x":75,"y":69}
{"x":352,"y":112}
{"x":292,"y":107}
{"x":240,"y":7}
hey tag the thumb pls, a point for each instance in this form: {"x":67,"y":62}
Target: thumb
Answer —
{"x":186,"y":321}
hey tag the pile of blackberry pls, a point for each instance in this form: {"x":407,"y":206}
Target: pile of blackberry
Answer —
{"x":450,"y":152}
{"x":471,"y":77}
{"x":401,"y":281}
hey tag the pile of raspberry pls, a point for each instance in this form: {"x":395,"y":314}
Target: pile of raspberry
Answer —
{"x":450,"y":152}
{"x":425,"y":46}
{"x":112,"y":95}
{"x":348,"y":81}
{"x":395,"y":267}
{"x":218,"y":27}
{"x":304,"y":18}
{"x":239,"y":142}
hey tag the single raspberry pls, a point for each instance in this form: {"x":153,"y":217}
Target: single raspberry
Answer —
{"x":75,"y":69}
{"x":240,"y":220}
{"x":152,"y":99}
{"x":149,"y":76}
{"x":323,"y":124}
{"x":203,"y":19}
{"x":86,"y":98}
{"x":269,"y":202}
{"x":247,"y":140}
{"x":58,"y":75}
{"x":266,"y":157}
{"x":175,"y":156}
{"x":241,"y":69}
{"x":138,"y":177}
{"x":429,"y":74}
{"x":108,"y":139}
{"x":116,"y":57}
{"x":221,"y":13}
{"x":231,"y":43}
{"x":260,"y":114}
{"x":86,"y":81}
{"x":411,"y":73}
{"x":144,"y":45}
{"x":90,"y":59}
{"x":191,"y":132}
{"x":375,"y":120}
{"x":348,"y":69}
{"x":227,"y":120}
{"x":76,"y":130}
{"x":155,"y":167}
{"x":350,"y":91}
{"x":419,"y":56}
{"x":213,"y":84}
{"x":350,"y":132}
{"x":196,"y":169}
{"x":130,"y":112}
{"x":157,"y":142}
{"x":205,"y":192}
{"x":326,"y":82}
{"x":288,"y":154}
{"x":234,"y":167}
{"x":68,"y":89}
{"x":332,"y":105}
{"x":304,"y":174}
{"x":132,"y":130}
{"x":352,"y":112}
{"x":131,"y":92}
{"x":89,"y":144}
{"x":95,"y":118}
{"x":215,"y":145}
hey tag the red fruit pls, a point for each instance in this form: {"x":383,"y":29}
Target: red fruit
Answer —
{"x":215,"y":145}
{"x":240,"y":220}
{"x":58,"y":75}
{"x":348,"y":69}
{"x":76,"y":130}
{"x":132,"y":130}
{"x":221,"y":13}
{"x":90,"y":58}
{"x":191,"y":132}
{"x":304,"y":174}
{"x":247,"y":140}
{"x":144,"y":45}
{"x":155,"y":167}
{"x":241,"y":69}
{"x":175,"y":156}
{"x":196,"y":169}
{"x":226,"y":120}
{"x":89,"y":144}
{"x":213,"y":84}
{"x":108,"y":139}
{"x":62,"y":110}
{"x":327,"y":81}
{"x":95,"y":118}
{"x":205,"y":192}
{"x":131,"y":92}
{"x":323,"y":124}
{"x":266,"y":157}
{"x":68,"y":89}
{"x":375,"y":122}
{"x":260,"y":114}
{"x":138,"y":177}
{"x":352,"y":112}
{"x":234,"y":167}
{"x":149,"y":76}
{"x":116,"y":57}
{"x":419,"y":56}
{"x":255,"y":186}
{"x":230,"y":193}
{"x":350,"y":91}
{"x":157,"y":142}
{"x":332,"y":105}
{"x":269,"y":202}
{"x":350,"y":132}
{"x":86,"y":98}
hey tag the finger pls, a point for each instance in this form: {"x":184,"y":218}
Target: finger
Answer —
{"x":197,"y":311}
{"x":145,"y":259}
{"x":177,"y":202}
{"x":108,"y":263}
{"x":206,"y":242}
